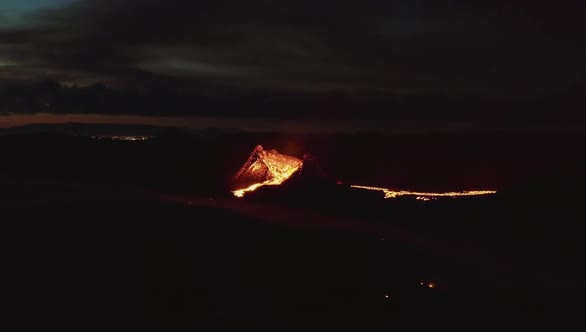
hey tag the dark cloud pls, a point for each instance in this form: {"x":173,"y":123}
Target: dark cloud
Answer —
{"x":480,"y":47}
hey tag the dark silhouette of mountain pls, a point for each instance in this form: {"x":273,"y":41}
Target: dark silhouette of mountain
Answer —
{"x":49,"y":96}
{"x":82,"y":129}
{"x":310,"y":177}
{"x":108,"y":129}
{"x":312,"y":186}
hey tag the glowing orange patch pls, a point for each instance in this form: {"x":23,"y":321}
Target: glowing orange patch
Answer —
{"x":269,"y":168}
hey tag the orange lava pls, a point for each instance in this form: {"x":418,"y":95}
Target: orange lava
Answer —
{"x":270,"y":166}
{"x":424,"y":196}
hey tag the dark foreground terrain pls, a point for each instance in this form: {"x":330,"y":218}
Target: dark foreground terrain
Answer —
{"x":88,"y":262}
{"x":103,"y":248}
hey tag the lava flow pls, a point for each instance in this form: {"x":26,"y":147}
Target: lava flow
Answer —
{"x":265,"y":168}
{"x":270,"y":168}
{"x":423,"y":196}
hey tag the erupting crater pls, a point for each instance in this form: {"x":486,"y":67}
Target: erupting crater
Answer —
{"x":264,"y":168}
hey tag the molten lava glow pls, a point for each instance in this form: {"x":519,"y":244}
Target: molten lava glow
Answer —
{"x":423,"y":196}
{"x":240,"y":192}
{"x":271,"y":166}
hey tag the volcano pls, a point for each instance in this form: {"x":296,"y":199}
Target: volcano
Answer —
{"x":305,"y":176}
{"x":271,"y":168}
{"x":264,"y":168}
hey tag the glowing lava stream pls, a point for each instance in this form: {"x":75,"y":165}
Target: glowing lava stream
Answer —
{"x":271,"y":182}
{"x":425,"y":196}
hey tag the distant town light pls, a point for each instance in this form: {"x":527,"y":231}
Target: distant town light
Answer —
{"x":124,"y":138}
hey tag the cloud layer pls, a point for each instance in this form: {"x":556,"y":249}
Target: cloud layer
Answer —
{"x":490,"y":47}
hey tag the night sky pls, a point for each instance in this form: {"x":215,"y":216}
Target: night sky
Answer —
{"x":456,"y":48}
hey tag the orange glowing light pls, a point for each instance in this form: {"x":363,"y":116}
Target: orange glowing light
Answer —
{"x":423,"y":196}
{"x":269,"y":168}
